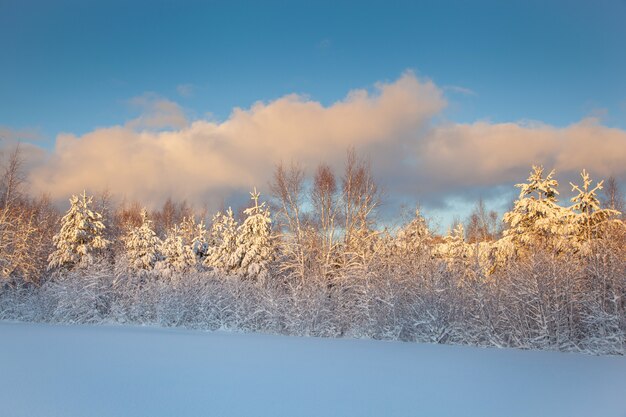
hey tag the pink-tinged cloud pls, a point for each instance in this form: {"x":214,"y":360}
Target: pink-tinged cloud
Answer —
{"x":156,"y":113}
{"x":394,"y":126}
{"x":206,"y":157}
{"x":484,"y":154}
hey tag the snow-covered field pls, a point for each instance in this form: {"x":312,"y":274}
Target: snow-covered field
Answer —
{"x":49,"y":370}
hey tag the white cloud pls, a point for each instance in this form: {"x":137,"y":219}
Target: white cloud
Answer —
{"x":412,"y":154}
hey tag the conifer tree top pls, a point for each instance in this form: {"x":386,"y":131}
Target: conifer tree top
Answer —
{"x":546,"y":188}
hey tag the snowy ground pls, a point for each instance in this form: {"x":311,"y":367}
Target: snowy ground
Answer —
{"x":65,"y":371}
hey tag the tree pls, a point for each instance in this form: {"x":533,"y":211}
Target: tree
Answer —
{"x":454,"y":248}
{"x":81,"y":235}
{"x":194,"y":235}
{"x":170,"y":214}
{"x":287,"y":190}
{"x":142,"y":245}
{"x":613,"y":198}
{"x":255,"y":246}
{"x":222,"y":241}
{"x":176,"y":256}
{"x":360,"y":198}
{"x":588,"y":215}
{"x":13,"y":178}
{"x":481,"y":224}
{"x":536,"y":217}
{"x":128,"y":216}
{"x":25,"y":225}
{"x":17,"y":232}
{"x":325,"y":200}
{"x":414,"y":237}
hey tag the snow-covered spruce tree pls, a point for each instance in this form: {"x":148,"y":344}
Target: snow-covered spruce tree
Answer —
{"x":142,"y":245}
{"x":195,"y":235}
{"x":588,"y":217}
{"x":454,"y":248}
{"x":176,"y":256}
{"x":536,"y":217}
{"x":255,"y":245}
{"x":404,"y":251}
{"x":80,"y":237}
{"x":415,"y":236}
{"x":222,"y":242}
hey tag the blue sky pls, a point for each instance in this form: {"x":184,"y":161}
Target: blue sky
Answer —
{"x":454,"y":99}
{"x":71,"y":66}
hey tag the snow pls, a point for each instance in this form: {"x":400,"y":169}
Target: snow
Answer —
{"x":52,"y":370}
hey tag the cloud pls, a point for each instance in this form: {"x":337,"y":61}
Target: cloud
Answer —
{"x":397,"y":125}
{"x":460,"y":156}
{"x":33,"y":155}
{"x":156,"y":113}
{"x":210,"y":159}
{"x":8,"y":135}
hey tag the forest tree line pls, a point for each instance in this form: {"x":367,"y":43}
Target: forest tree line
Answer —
{"x":313,"y":259}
